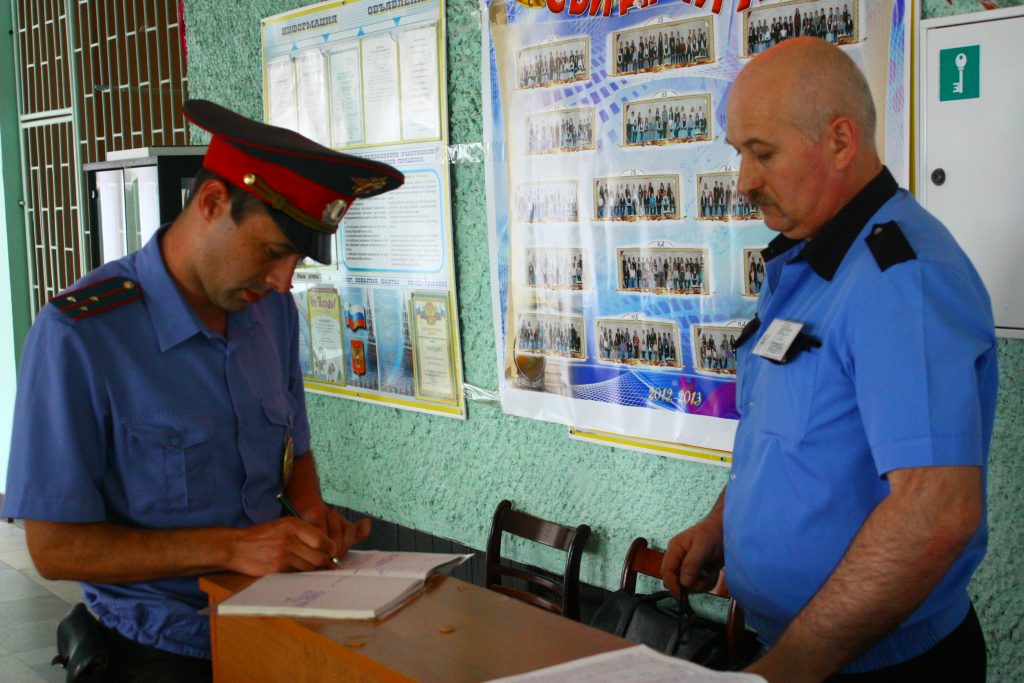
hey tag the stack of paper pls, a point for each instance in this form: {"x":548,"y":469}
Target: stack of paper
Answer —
{"x":639,"y":663}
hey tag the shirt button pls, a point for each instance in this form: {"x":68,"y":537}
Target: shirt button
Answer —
{"x":733,"y":476}
{"x":174,"y":441}
{"x":750,"y":405}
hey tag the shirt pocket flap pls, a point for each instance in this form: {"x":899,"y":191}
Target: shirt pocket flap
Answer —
{"x":278,"y":409}
{"x":174,"y":431}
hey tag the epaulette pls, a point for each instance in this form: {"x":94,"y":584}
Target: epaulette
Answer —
{"x":888,"y":245}
{"x":749,"y":330}
{"x":97,"y":297}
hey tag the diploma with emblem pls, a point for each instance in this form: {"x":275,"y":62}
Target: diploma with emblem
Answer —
{"x":431,"y":345}
{"x":367,"y":585}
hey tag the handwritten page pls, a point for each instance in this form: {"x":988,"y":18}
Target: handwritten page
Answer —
{"x":639,"y":663}
{"x":399,"y":564}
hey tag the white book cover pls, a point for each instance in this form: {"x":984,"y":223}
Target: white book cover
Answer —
{"x":328,"y":594}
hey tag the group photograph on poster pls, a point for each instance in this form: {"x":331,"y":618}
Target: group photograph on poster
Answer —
{"x":753,"y":271}
{"x":663,"y":270}
{"x":636,"y":341}
{"x":554,"y":63}
{"x":835,"y":21}
{"x":666,"y":237}
{"x":664,"y":45}
{"x":667,"y":120}
{"x":558,"y":336}
{"x":639,"y":197}
{"x":719,"y":200}
{"x":557,"y":268}
{"x":562,"y":130}
{"x":551,"y":201}
{"x":714,"y":348}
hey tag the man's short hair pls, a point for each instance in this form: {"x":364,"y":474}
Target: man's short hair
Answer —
{"x":243,"y":204}
{"x":835,"y":86}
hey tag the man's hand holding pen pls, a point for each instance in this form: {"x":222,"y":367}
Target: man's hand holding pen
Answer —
{"x":342,"y":533}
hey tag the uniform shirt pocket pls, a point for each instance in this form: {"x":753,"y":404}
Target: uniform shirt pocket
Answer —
{"x":168,"y":461}
{"x":782,"y":394}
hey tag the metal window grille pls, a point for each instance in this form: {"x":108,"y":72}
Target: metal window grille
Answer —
{"x":95,"y":76}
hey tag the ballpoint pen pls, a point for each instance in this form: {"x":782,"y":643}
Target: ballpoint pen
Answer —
{"x":290,"y":509}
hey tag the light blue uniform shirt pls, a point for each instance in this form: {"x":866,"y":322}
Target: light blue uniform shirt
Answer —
{"x":141,"y":416}
{"x":905,"y":377}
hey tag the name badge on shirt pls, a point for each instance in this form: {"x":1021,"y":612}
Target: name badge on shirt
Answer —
{"x":777,"y":339}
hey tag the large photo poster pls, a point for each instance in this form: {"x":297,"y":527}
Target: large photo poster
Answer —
{"x":625,"y":261}
{"x":368,"y":78}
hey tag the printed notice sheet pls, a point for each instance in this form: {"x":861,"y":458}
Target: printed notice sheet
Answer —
{"x":281,"y":93}
{"x":639,"y":663}
{"x":378,"y":323}
{"x":418,"y":49}
{"x":346,"y":97}
{"x":380,"y":85}
{"x":311,"y":80}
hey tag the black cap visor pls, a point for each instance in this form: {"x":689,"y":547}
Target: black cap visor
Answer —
{"x":315,"y":245}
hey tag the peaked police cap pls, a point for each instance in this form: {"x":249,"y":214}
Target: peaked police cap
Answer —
{"x":307,"y":186}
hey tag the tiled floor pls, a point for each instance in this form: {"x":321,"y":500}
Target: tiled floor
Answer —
{"x":30,"y":608}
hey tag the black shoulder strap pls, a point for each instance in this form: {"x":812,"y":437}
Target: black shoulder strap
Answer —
{"x":888,"y":245}
{"x":749,"y":330}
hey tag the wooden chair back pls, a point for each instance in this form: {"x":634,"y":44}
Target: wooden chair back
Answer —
{"x":641,"y":559}
{"x":564,"y":594}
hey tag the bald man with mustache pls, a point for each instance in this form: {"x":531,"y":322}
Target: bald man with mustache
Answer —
{"x":854,"y":514}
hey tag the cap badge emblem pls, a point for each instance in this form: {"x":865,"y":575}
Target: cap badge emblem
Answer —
{"x":364,"y":186}
{"x":334,"y":211}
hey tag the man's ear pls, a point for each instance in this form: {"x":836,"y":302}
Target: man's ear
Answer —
{"x":843,"y":140}
{"x":213,"y":199}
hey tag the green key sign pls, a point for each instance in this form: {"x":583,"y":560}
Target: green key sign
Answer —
{"x":960,"y":73}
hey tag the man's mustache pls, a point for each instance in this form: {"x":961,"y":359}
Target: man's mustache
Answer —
{"x":758,"y":199}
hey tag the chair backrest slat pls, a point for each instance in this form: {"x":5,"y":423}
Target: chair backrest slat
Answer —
{"x":566,"y":538}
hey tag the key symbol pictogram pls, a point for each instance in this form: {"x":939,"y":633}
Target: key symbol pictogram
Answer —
{"x":961,"y":62}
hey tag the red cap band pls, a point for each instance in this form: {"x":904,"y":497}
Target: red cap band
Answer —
{"x":233,"y":164}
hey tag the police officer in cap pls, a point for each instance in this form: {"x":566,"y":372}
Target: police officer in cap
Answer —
{"x":160,"y":402}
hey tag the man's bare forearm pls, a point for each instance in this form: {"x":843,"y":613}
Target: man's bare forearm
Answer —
{"x":901,"y":553}
{"x":110,"y":553}
{"x":304,"y":485}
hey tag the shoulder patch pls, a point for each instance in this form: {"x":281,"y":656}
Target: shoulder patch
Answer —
{"x":888,"y":245}
{"x":97,"y":297}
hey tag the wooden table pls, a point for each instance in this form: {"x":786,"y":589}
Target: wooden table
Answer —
{"x":454,"y":631}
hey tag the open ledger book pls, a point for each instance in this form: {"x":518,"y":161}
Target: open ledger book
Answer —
{"x":368,"y":585}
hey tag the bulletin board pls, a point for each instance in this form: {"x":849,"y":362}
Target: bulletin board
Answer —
{"x":368,"y":78}
{"x":625,"y":263}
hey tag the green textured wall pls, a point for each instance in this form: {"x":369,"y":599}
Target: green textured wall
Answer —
{"x":445,"y":476}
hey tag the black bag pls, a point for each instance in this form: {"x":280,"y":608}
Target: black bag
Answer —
{"x":80,"y":647}
{"x":671,"y":628}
